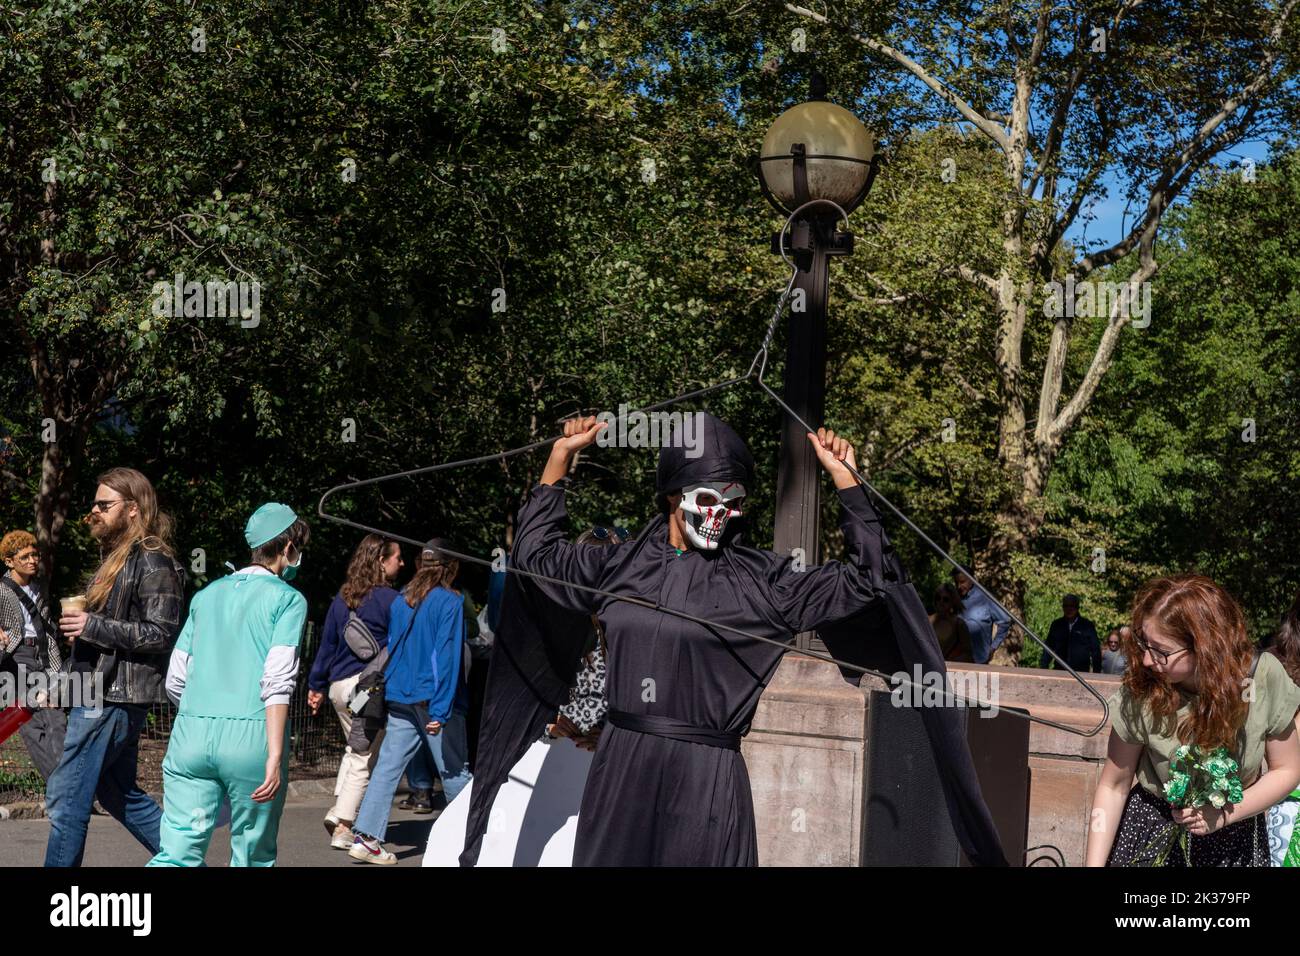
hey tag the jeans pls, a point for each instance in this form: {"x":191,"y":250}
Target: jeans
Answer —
{"x":419,"y":772}
{"x":99,"y":757}
{"x":402,"y":739}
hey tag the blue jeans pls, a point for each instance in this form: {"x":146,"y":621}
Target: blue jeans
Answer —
{"x":419,"y":772}
{"x":99,"y":757}
{"x":403,"y":736}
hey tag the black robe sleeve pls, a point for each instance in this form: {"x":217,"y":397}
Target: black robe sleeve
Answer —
{"x":542,"y":547}
{"x":895,"y":634}
{"x":536,"y":651}
{"x":807,"y":599}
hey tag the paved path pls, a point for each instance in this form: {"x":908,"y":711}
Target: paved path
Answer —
{"x":302,"y":838}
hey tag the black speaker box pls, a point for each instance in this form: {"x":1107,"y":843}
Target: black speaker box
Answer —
{"x":907,"y":822}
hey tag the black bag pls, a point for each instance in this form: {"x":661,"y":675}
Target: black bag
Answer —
{"x":373,"y":680}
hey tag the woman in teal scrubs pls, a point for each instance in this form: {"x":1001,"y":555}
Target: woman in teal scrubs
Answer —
{"x":232,"y":675}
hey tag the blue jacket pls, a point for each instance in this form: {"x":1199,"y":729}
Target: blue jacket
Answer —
{"x":980,"y":614}
{"x":425,"y":665}
{"x":335,"y":660}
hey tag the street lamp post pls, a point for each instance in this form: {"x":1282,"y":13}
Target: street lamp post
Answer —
{"x":816,"y":157}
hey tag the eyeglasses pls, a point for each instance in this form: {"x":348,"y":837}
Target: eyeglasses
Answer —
{"x":104,"y":507}
{"x":618,"y":534}
{"x":29,"y":556}
{"x":1155,"y":652}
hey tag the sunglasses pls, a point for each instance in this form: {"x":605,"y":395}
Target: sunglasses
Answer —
{"x":104,"y":507}
{"x":618,"y":534}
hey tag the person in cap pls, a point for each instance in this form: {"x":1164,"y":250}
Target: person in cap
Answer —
{"x":668,"y":785}
{"x":232,"y":675}
{"x":425,"y":694}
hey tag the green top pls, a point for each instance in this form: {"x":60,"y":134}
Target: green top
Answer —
{"x":232,"y":626}
{"x":1277,"y":699}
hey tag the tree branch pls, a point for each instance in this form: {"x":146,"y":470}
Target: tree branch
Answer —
{"x":1178,"y":171}
{"x":1051,"y":434}
{"x":988,"y":128}
{"x":981,"y":279}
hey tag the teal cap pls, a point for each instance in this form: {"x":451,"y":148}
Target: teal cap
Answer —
{"x":267,"y":522}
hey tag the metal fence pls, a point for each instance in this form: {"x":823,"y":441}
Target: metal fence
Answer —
{"x":316,"y":742}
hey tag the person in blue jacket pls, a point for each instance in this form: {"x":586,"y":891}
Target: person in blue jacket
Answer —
{"x":988,"y":624}
{"x":426,"y":696}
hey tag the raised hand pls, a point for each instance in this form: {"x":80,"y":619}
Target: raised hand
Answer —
{"x":579,"y":433}
{"x":833,"y":451}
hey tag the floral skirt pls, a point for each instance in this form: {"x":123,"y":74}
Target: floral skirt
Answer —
{"x":1147,"y":817}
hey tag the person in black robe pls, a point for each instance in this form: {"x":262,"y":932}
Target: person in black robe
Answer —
{"x":668,"y":786}
{"x":537,"y":652}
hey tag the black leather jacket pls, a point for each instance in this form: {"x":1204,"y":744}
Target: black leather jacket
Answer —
{"x":131,"y":640}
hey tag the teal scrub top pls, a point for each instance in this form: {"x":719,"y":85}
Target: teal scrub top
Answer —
{"x":232,"y":625}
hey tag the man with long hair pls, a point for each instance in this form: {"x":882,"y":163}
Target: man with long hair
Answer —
{"x":121,"y":641}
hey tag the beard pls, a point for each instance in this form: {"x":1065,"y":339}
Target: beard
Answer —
{"x":107,"y":530}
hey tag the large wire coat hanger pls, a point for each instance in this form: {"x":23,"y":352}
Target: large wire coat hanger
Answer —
{"x":757,"y":369}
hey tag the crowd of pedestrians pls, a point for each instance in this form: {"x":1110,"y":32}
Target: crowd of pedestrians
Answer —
{"x":394,"y":666}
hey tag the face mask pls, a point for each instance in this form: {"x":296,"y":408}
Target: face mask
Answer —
{"x":707,"y":508}
{"x":290,"y":571}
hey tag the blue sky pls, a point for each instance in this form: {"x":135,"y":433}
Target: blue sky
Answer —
{"x":1111,"y":225}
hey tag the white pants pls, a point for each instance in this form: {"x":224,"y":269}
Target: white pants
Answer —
{"x":354,"y":768}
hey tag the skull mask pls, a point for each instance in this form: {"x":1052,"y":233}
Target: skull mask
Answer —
{"x":707,"y":507}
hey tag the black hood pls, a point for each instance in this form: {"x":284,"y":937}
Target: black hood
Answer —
{"x":721,"y":456}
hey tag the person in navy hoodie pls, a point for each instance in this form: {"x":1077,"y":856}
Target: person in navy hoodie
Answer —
{"x":426,"y":695}
{"x":368,"y":593}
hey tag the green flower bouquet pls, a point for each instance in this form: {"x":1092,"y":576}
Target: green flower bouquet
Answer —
{"x":1196,"y":777}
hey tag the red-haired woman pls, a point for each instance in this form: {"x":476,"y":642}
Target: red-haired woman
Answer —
{"x":1189,"y":682}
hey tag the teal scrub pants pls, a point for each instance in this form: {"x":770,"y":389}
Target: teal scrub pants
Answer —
{"x":209,"y":759}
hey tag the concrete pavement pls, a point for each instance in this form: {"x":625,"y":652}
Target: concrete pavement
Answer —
{"x":302,"y":842}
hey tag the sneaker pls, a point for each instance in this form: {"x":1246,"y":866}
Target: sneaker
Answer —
{"x":331,"y":824}
{"x":342,"y":839}
{"x":371,"y":851}
{"x":418,"y":801}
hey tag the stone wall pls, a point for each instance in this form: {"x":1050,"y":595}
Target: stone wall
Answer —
{"x":806,"y":749}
